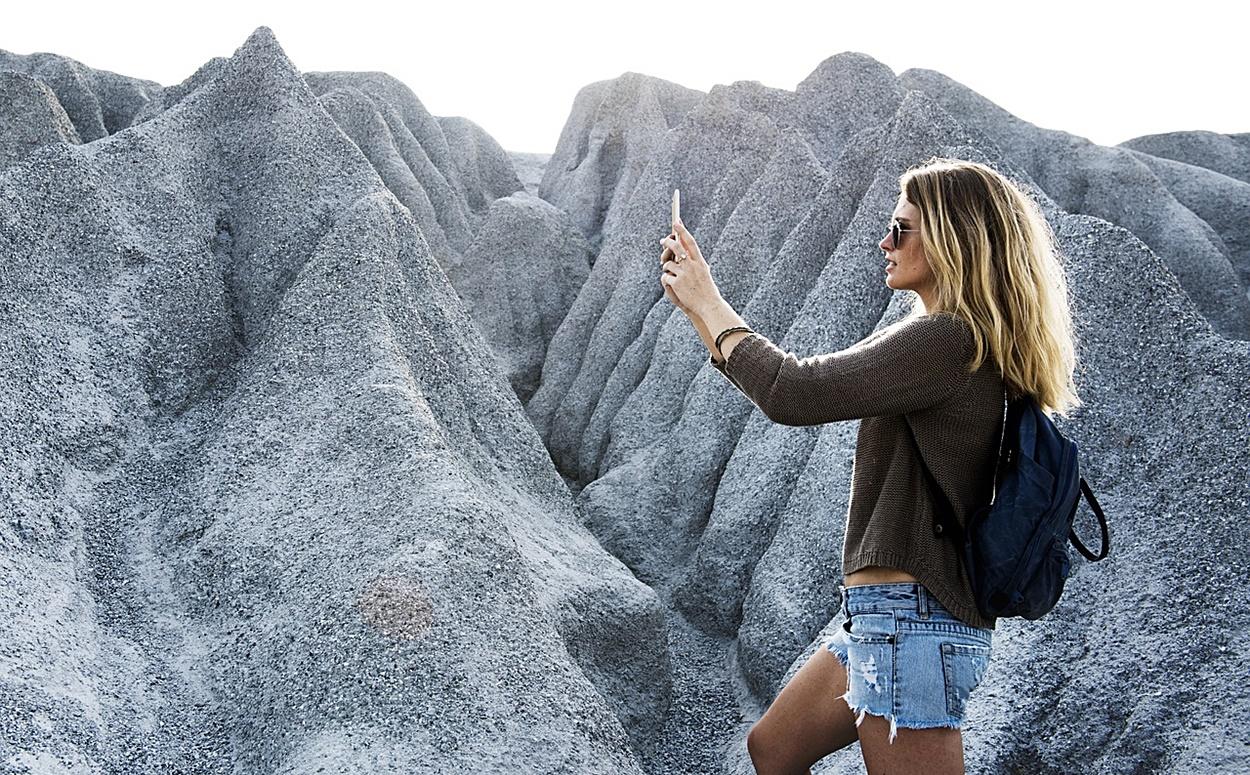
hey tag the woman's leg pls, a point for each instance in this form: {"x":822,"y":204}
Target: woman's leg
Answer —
{"x":937,"y":751}
{"x":807,"y":721}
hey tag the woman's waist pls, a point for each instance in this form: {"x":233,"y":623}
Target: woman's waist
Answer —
{"x":877,"y":574}
{"x":886,"y":596}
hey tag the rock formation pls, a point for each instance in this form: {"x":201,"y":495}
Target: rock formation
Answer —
{"x":271,"y":503}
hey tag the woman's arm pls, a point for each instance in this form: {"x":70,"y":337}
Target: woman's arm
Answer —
{"x":909,"y":367}
{"x":715,"y":316}
{"x":709,"y":339}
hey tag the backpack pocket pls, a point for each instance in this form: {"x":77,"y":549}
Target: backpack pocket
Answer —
{"x":1041,"y":483}
{"x":1060,"y":560}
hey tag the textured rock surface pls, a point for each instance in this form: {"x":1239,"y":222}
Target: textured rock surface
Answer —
{"x":451,"y":176}
{"x":479,"y":159}
{"x":1222,"y":202}
{"x":537,"y":263}
{"x":281,"y":359}
{"x":1226,"y":154}
{"x":97,"y":102}
{"x":407,"y":147}
{"x":610,"y":134}
{"x":30,"y":118}
{"x":270,"y":504}
{"x":529,"y":168}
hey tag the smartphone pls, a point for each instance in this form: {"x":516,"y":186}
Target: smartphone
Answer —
{"x":676,"y":206}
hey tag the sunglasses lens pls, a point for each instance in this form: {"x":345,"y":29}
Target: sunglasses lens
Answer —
{"x":895,"y":233}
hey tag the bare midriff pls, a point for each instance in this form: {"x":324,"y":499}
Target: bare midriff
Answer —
{"x":876,"y":574}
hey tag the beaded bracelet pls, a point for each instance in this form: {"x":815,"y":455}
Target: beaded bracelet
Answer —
{"x":725,"y":333}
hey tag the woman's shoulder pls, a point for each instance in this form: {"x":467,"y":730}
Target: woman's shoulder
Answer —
{"x":943,"y":320}
{"x":916,"y":323}
{"x":935,"y":328}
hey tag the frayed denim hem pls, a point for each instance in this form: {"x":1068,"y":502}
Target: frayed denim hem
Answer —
{"x":860,"y":716}
{"x":894,"y":723}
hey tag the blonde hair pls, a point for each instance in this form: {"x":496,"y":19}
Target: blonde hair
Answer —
{"x":996,"y":265}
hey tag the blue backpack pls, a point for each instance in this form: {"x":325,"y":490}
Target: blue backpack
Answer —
{"x":1015,"y":548}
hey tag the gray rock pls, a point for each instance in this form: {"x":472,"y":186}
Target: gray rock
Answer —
{"x":529,"y":168}
{"x":172,"y":95}
{"x":614,"y":127}
{"x":610,"y":134}
{"x":484,"y":167}
{"x":408,"y":148}
{"x":1222,"y":202}
{"x":30,"y":118}
{"x":270,"y":503}
{"x":520,"y":276}
{"x":1226,"y":154}
{"x":843,"y":96}
{"x":97,"y":102}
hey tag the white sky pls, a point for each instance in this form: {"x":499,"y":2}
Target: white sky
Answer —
{"x":1106,"y":71}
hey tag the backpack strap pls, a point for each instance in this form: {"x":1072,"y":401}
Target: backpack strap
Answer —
{"x":1102,"y":523}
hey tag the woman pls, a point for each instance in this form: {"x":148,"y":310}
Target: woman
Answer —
{"x":990,"y":318}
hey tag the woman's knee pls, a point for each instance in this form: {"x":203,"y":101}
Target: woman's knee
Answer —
{"x":766,"y":747}
{"x":759,"y":743}
{"x":756,"y":740}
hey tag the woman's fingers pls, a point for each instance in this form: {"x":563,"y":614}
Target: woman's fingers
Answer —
{"x":675,"y":246}
{"x":666,"y":256}
{"x":669,"y":293}
{"x":685,"y":239}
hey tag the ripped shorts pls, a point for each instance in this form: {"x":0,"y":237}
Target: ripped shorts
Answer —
{"x":907,"y":658}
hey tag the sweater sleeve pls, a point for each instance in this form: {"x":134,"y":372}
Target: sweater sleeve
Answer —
{"x":916,"y":364}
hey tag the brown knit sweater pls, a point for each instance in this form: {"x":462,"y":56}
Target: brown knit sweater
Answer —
{"x":918,"y":368}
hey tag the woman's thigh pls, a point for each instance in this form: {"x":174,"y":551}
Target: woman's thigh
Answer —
{"x":807,"y":721}
{"x":937,"y":751}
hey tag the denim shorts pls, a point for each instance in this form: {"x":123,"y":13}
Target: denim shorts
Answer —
{"x":907,"y":658}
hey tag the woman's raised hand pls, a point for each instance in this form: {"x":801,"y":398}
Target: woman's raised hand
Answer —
{"x":687,"y":277}
{"x":667,"y":255}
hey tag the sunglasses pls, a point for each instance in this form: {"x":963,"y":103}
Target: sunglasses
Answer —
{"x":896,"y":233}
